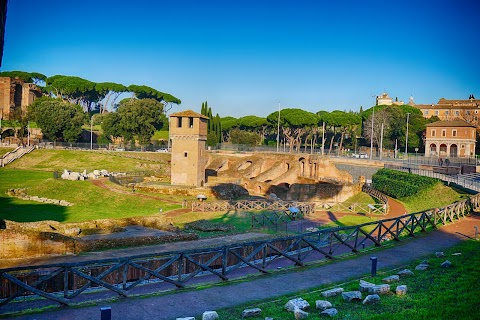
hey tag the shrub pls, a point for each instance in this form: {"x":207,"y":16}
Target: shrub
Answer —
{"x":399,"y":184}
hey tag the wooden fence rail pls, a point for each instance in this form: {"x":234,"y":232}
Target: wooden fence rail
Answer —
{"x":63,"y":282}
{"x":246,"y":205}
{"x":379,"y":196}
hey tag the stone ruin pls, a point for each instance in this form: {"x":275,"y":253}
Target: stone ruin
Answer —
{"x":74,"y":176}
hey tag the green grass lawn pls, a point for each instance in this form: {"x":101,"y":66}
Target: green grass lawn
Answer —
{"x":160,"y":135}
{"x":4,"y":150}
{"x":439,"y":293}
{"x":437,"y":196}
{"x":51,"y":160}
{"x":90,"y":202}
{"x":360,"y":198}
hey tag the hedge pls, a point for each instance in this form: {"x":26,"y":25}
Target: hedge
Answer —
{"x":399,"y":184}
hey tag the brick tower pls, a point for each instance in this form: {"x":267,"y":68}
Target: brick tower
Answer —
{"x":188,"y":133}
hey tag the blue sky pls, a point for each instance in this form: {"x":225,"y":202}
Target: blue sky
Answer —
{"x":244,"y":57}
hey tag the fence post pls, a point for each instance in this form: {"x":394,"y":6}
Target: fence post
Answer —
{"x":106,"y":313}
{"x":374,"y":266}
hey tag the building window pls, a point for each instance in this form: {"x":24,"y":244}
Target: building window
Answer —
{"x":426,"y":112}
{"x":185,"y":154}
{"x":433,"y":132}
{"x":467,"y":112}
{"x":454,"y":133}
{"x":179,"y":122}
{"x":190,"y":120}
{"x":457,"y":113}
{"x":444,"y":133}
{"x":462,"y":146}
{"x":436,"y":112}
{"x":446,"y":112}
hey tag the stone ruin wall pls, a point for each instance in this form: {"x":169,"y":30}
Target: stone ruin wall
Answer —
{"x":293,"y":177}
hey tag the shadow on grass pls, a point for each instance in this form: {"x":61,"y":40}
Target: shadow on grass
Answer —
{"x":29,"y":211}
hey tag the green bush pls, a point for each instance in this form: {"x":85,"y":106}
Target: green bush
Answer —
{"x":399,"y":184}
{"x":420,"y":181}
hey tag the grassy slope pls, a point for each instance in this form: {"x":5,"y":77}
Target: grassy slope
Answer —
{"x":34,"y":172}
{"x":51,"y":160}
{"x":431,"y":294}
{"x":437,"y":196}
{"x":90,"y":202}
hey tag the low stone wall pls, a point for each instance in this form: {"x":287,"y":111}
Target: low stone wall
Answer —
{"x":35,"y":239}
{"x":223,"y":191}
{"x":21,"y":193}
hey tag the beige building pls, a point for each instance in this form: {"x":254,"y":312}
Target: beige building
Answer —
{"x":385,"y":100}
{"x":15,"y":97}
{"x":188,"y":133}
{"x":445,"y":109}
{"x":450,"y":139}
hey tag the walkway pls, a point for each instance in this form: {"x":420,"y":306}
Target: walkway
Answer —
{"x":195,"y":302}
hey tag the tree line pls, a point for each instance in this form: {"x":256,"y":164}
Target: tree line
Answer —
{"x":69,"y":102}
{"x":336,"y":130}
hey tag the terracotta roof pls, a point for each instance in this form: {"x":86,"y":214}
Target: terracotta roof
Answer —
{"x":451,"y":123}
{"x":188,"y":113}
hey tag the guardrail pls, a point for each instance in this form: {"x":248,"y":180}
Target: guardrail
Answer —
{"x":62,"y":283}
{"x":457,"y":179}
{"x":202,"y":206}
{"x":13,"y":155}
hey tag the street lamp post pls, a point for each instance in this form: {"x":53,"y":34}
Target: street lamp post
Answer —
{"x":406,"y":136}
{"x":278,"y":128}
{"x":371,"y":136}
{"x":91,"y":133}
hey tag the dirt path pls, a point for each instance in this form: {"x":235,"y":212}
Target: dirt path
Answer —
{"x":101,"y":184}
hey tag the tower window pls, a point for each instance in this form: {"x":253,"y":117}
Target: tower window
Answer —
{"x":185,"y":154}
{"x":190,"y":119}
{"x":179,"y":123}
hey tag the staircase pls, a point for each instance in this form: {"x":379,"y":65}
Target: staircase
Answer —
{"x":15,"y":154}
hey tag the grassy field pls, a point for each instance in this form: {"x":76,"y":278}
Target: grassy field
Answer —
{"x":437,"y":196}
{"x":34,"y":172}
{"x":4,"y":150}
{"x":439,"y":293}
{"x":90,"y":202}
{"x":58,"y":160}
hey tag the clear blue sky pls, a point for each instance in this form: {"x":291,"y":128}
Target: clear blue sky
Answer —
{"x":244,"y":57}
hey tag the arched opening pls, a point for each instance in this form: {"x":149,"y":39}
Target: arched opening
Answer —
{"x":284,"y":185}
{"x":443,"y":149}
{"x":259,"y":189}
{"x":8,"y":133}
{"x":454,"y":150}
{"x":433,"y":149}
{"x":302,"y":166}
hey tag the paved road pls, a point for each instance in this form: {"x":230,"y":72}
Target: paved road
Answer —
{"x":194,"y":303}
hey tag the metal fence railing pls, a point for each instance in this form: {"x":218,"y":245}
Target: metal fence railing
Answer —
{"x":63,"y":282}
{"x":461,"y":180}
